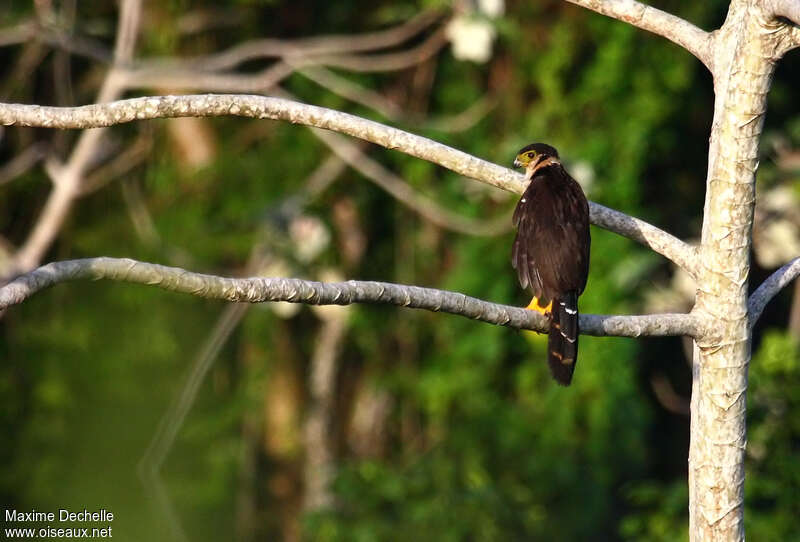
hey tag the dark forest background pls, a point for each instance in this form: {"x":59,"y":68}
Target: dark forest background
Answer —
{"x":440,"y":428}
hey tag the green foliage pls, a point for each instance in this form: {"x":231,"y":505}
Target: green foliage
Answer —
{"x":773,"y":438}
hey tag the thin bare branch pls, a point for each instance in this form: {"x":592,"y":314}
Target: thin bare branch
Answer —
{"x":136,"y":153}
{"x":351,"y":91}
{"x":171,"y":422}
{"x":684,"y":33}
{"x":151,"y":462}
{"x":19,"y":74}
{"x":682,"y":254}
{"x":770,"y":288}
{"x":463,"y":121}
{"x":127,"y":30}
{"x":75,"y":44}
{"x":258,"y":290}
{"x":319,"y":468}
{"x":264,"y":107}
{"x":385,"y":62}
{"x":322,"y":177}
{"x":405,"y":194}
{"x":304,"y":47}
{"x":18,"y":33}
{"x":185,"y":76}
{"x":67,"y":185}
{"x":22,"y":162}
{"x":666,"y":395}
{"x":186,"y":79}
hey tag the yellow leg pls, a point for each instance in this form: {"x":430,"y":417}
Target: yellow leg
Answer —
{"x":534,"y":306}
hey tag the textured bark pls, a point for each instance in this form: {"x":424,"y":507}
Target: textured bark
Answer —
{"x":770,"y":287}
{"x":259,"y":290}
{"x":746,"y":49}
{"x":265,"y":107}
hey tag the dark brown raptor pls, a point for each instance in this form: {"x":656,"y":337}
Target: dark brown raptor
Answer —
{"x":551,"y":251}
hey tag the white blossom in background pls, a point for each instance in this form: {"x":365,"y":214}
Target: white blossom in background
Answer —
{"x":471,"y":33}
{"x":471,"y":38}
{"x":309,"y":236}
{"x":282,"y":309}
{"x":492,"y":8}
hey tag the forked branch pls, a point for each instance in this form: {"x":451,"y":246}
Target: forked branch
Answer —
{"x":258,"y":290}
{"x":263,"y":107}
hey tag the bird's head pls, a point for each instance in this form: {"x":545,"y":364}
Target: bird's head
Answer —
{"x":533,"y":156}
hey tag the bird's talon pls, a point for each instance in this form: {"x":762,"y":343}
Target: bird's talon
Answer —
{"x":544,"y":311}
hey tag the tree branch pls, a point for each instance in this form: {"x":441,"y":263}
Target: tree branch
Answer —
{"x":770,"y":288}
{"x":258,"y":290}
{"x":680,"y":31}
{"x":788,"y":9}
{"x":351,"y":154}
{"x":264,"y":107}
{"x":184,"y":76}
{"x":352,"y":91}
{"x":22,"y":162}
{"x":303,"y":47}
{"x":67,"y":180}
{"x":680,"y":253}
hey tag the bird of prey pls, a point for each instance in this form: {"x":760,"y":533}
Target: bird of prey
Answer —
{"x":551,"y":251}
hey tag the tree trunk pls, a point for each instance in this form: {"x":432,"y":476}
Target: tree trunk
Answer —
{"x":746,"y":49}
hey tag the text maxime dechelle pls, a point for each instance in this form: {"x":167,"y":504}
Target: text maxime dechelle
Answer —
{"x":62,"y":516}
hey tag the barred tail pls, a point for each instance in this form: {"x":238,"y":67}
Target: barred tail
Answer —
{"x":562,"y":340}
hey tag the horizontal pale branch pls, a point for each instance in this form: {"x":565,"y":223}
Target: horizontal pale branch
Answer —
{"x":261,"y":107}
{"x":680,"y":31}
{"x":257,"y":290}
{"x":682,"y":254}
{"x":264,"y":107}
{"x":770,"y":288}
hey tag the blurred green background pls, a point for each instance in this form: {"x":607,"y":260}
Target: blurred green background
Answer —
{"x":440,"y":428}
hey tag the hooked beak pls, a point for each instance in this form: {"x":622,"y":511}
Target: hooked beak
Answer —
{"x":517,"y":163}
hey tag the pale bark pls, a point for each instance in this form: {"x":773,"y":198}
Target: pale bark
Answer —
{"x":262,"y":289}
{"x":320,"y":463}
{"x":262,"y":107}
{"x":770,"y":288}
{"x":742,"y":56}
{"x":302,"y":47}
{"x":746,"y":50}
{"x":68,"y":178}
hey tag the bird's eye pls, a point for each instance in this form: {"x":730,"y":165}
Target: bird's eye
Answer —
{"x":531,"y":154}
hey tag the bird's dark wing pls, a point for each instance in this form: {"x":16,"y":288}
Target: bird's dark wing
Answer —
{"x":524,"y":253}
{"x":551,"y":249}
